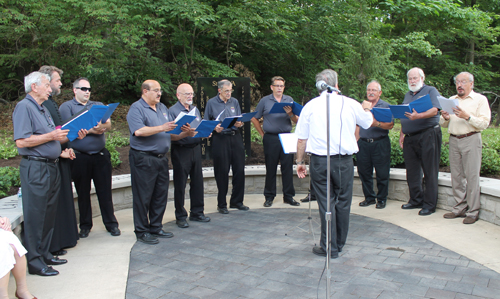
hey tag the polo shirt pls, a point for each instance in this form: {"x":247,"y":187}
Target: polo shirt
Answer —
{"x":274,"y":123}
{"x":345,"y":114}
{"x":141,"y":115}
{"x":92,"y":143}
{"x":412,"y":126}
{"x":375,"y":132}
{"x":29,"y":118}
{"x":175,"y":110}
{"x":217,"y":108}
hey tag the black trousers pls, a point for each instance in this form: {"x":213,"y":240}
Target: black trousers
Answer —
{"x":187,"y":161}
{"x":228,"y":151}
{"x":96,"y":167}
{"x":41,"y":184}
{"x":422,"y":154}
{"x":273,"y":152}
{"x":341,"y":178}
{"x":66,"y":227}
{"x":150,"y":178}
{"x":374,"y":154}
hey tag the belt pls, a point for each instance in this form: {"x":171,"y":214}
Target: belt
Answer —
{"x":465,"y":135}
{"x":98,"y":153}
{"x":371,"y":140}
{"x":421,"y":131}
{"x":40,"y":159}
{"x":231,"y":133}
{"x":150,"y":153}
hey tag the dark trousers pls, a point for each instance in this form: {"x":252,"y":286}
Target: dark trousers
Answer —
{"x":41,"y":184}
{"x":422,"y":154}
{"x":187,"y":161}
{"x":341,"y":177}
{"x":273,"y":152}
{"x":66,"y":227}
{"x":96,"y":167}
{"x":150,"y":178}
{"x":228,"y":151}
{"x":374,"y":154}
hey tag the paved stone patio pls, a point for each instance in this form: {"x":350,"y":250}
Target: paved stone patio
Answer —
{"x":262,"y":253}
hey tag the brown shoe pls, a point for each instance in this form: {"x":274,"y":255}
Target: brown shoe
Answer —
{"x":469,"y":220}
{"x":452,"y":215}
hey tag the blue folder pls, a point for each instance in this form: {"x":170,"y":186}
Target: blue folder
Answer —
{"x":420,"y":105}
{"x":382,"y":114}
{"x":186,"y":119}
{"x":229,"y":121}
{"x":84,"y":120}
{"x":205,"y":128}
{"x":111,"y":109}
{"x":278,"y":108}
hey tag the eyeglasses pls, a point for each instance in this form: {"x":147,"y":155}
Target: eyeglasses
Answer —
{"x":188,"y":94}
{"x":228,"y":91}
{"x":372,"y":90}
{"x":157,"y":90}
{"x":279,"y":86}
{"x":413,"y":78}
{"x":84,"y":89}
{"x":463,"y":82}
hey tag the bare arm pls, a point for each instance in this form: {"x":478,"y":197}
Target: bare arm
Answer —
{"x":148,"y":131}
{"x":35,"y":140}
{"x":258,"y":127}
{"x":301,"y":150}
{"x":427,"y":114}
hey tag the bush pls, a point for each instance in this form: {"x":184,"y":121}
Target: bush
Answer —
{"x":9,"y":177}
{"x":112,"y":141}
{"x":396,"y":151}
{"x":8,"y":148}
{"x":491,"y":161}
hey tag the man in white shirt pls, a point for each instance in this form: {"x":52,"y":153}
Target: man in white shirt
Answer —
{"x":345,"y":114}
{"x":472,"y":115}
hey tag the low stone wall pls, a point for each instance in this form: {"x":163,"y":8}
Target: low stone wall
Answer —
{"x":254,"y":184}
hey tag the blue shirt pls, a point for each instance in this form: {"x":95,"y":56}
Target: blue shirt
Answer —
{"x":141,"y":115}
{"x":274,"y":123}
{"x":92,"y":143}
{"x":29,"y":118}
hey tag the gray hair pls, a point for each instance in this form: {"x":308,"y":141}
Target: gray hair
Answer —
{"x":222,"y":83}
{"x":374,"y":81}
{"x":34,"y":77}
{"x":420,"y":72}
{"x":77,"y":81}
{"x":329,"y":76}
{"x":471,"y":77}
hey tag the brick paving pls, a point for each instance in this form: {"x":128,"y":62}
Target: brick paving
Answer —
{"x":266,"y":253}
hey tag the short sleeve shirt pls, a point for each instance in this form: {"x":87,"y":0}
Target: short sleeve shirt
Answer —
{"x":175,"y":110}
{"x":412,"y":126}
{"x":92,"y":143}
{"x":141,"y":115}
{"x":29,"y":118}
{"x":274,"y":123}
{"x":216,"y":109}
{"x":375,"y":132}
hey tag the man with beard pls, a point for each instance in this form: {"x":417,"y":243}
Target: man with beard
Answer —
{"x":65,"y":229}
{"x":39,"y":143}
{"x":374,"y":152}
{"x":92,"y":163}
{"x":186,"y":160}
{"x":472,"y":115}
{"x":420,"y":139}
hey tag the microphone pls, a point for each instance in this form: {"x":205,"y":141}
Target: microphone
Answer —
{"x":322,"y":85}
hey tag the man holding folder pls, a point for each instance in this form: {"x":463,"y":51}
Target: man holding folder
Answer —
{"x":274,"y":124}
{"x":93,"y":162}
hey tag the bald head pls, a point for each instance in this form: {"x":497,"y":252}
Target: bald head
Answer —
{"x":185,"y":94}
{"x":151,"y":92}
{"x":146,"y":85}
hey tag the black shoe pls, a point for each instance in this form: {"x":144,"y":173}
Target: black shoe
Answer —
{"x":147,"y":238}
{"x":366,"y":203}
{"x":240,"y":207}
{"x":182,"y":223}
{"x":291,"y":202}
{"x":222,"y":210}
{"x":409,"y":206}
{"x":47,"y":271}
{"x":162,"y":234}
{"x":200,"y":218}
{"x":380,"y":205}
{"x":426,"y":212}
{"x":308,"y":198}
{"x":115,"y":231}
{"x":59,"y":252}
{"x":268,"y":203}
{"x":318,"y":250}
{"x":84,"y":233}
{"x":56,"y":261}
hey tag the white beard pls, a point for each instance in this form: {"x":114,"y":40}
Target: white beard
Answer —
{"x":417,"y":87}
{"x":189,"y":102}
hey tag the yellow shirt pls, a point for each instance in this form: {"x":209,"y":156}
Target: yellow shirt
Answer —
{"x":480,"y":114}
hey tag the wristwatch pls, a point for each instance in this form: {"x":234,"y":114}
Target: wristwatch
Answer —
{"x":300,"y":162}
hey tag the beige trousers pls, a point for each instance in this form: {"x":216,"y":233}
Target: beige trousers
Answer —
{"x":465,"y":166}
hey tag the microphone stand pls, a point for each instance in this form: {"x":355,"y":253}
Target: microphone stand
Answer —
{"x":328,"y":214}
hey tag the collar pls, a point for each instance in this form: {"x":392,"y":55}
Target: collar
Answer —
{"x":78,"y":103}
{"x":29,"y":97}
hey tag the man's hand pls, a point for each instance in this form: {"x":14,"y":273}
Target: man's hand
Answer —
{"x":288,"y":110}
{"x":238,"y":124}
{"x":301,"y":171}
{"x":82,"y":133}
{"x":68,"y":154}
{"x":59,"y":135}
{"x":460,"y":113}
{"x":401,"y":139}
{"x":412,"y":116}
{"x":169,"y":126}
{"x":5,"y":224}
{"x":367,"y":105}
{"x":445,"y":115}
{"x":218,"y":129}
{"x":98,"y":129}
{"x":190,"y":131}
